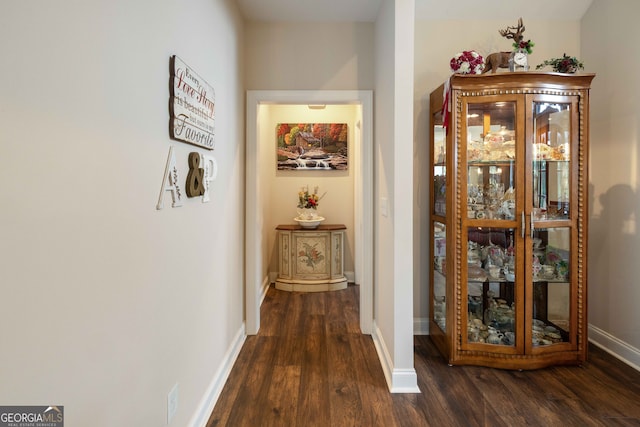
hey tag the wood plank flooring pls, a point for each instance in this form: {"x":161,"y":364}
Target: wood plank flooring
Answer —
{"x":310,"y":366}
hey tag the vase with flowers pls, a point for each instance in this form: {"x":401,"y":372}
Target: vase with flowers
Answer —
{"x":467,"y":62}
{"x":308,"y":202}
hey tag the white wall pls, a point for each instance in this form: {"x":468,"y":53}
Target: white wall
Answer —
{"x":383,"y":173}
{"x":393,"y":196}
{"x":282,"y":187}
{"x":436,"y":43}
{"x":609,"y":37}
{"x":107,"y":302}
{"x":307,"y":55}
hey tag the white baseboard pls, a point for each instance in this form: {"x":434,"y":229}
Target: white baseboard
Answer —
{"x":273,"y":276}
{"x":614,"y":346}
{"x":383,"y":354}
{"x":351,"y":276}
{"x":208,"y":401}
{"x":420,"y":326}
{"x":266,"y":282}
{"x":398,"y":380}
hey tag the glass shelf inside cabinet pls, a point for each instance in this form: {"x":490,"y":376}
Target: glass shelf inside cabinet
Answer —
{"x":491,"y":278}
{"x":490,"y":191}
{"x":551,"y":161}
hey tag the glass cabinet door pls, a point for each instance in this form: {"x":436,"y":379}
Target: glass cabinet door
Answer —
{"x":492,"y":179}
{"x":439,"y":275}
{"x":551,"y":160}
{"x":491,"y":155}
{"x":492,"y":290}
{"x":438,"y":304}
{"x":439,"y":156}
{"x":552,"y":223}
{"x":551,"y":291}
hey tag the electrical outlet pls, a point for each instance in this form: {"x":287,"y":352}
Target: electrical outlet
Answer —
{"x":172,"y":403}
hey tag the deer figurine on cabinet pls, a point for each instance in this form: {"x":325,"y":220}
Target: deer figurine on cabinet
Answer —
{"x":501,"y":59}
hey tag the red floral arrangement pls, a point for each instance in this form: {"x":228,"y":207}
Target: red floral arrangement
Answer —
{"x":524,"y":45}
{"x":467,"y":62}
{"x":566,"y":64}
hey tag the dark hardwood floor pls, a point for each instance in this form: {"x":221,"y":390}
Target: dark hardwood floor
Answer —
{"x":310,"y":366}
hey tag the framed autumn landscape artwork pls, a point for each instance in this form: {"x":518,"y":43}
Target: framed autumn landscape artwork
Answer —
{"x":312,"y":146}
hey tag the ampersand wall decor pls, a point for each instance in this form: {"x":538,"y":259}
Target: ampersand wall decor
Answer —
{"x":195,"y":177}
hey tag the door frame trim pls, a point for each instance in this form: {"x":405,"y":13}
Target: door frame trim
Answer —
{"x":255,"y":272}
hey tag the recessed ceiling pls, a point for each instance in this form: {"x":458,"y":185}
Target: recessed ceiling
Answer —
{"x":367,"y":10}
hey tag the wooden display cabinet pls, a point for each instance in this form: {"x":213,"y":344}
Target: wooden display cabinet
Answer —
{"x":508,"y":220}
{"x":311,"y":260}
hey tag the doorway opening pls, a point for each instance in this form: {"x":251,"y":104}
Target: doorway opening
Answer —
{"x":260,"y":137}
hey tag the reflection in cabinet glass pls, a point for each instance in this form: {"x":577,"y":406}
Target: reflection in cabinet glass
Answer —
{"x":439,"y":300}
{"x":508,"y":219}
{"x":439,"y":164}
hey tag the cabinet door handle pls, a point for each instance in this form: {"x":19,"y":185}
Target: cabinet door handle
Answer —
{"x":522,"y":227}
{"x":531,"y":225}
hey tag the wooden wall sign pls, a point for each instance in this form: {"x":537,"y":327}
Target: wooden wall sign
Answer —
{"x":192,"y":106}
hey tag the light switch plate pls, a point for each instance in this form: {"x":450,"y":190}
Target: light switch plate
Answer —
{"x":172,"y":403}
{"x":384,"y":206}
